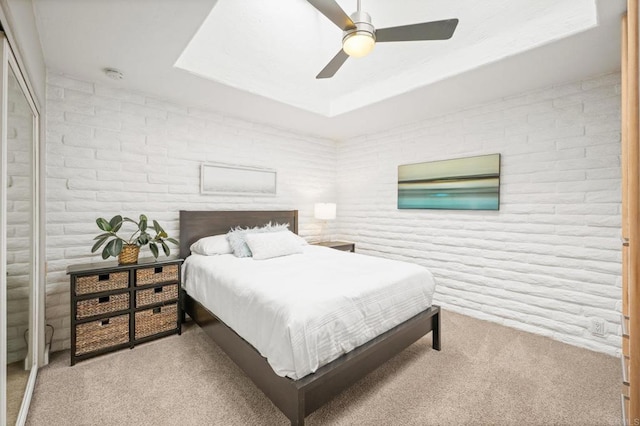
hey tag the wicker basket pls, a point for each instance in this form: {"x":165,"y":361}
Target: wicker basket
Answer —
{"x":156,"y":295}
{"x":129,"y":254}
{"x":101,"y":334}
{"x":102,"y":305}
{"x":157,"y":320}
{"x":102,"y":282}
{"x":157,"y":275}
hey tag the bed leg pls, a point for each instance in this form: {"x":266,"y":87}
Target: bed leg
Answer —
{"x":299,"y":419}
{"x":436,"y":330}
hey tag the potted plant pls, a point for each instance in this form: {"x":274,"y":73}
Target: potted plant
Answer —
{"x":127,"y":249}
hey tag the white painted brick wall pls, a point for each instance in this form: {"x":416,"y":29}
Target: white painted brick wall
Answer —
{"x":112,"y":151}
{"x":547,"y":262}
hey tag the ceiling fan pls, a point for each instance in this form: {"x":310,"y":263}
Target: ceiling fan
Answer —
{"x":359,"y":34}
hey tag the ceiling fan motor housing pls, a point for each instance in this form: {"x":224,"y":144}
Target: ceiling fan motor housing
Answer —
{"x":363,"y":25}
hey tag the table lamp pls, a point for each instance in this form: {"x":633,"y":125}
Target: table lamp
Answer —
{"x":324,"y":212}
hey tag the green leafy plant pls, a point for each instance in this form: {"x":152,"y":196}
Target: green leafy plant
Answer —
{"x":140,"y":236}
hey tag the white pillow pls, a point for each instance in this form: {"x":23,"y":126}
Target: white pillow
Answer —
{"x":210,"y":246}
{"x":273,"y":244}
{"x":238,"y":242}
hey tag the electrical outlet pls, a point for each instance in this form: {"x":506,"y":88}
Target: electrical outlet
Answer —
{"x":597,"y":326}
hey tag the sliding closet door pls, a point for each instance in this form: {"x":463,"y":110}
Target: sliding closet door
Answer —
{"x":4,"y":66}
{"x":18,"y":240}
{"x":630,"y":212}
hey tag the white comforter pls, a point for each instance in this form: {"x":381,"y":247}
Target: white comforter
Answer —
{"x":304,"y":310}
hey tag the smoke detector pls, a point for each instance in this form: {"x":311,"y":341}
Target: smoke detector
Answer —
{"x":113,"y":73}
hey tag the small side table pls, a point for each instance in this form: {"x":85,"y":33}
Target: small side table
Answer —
{"x":338,"y":245}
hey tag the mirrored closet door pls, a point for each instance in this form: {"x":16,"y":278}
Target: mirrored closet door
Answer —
{"x":19,"y":236}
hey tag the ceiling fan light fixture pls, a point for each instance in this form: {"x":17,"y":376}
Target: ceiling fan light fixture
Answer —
{"x":359,"y":36}
{"x":358,"y":43}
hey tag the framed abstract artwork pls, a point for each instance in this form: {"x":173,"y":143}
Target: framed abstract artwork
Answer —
{"x":226,"y":179}
{"x":471,"y":183}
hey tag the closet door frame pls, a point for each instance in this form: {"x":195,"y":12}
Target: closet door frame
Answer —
{"x":35,"y":344}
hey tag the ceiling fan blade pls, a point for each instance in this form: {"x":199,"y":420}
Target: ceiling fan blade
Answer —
{"x":334,"y":12}
{"x":333,"y":66}
{"x":436,"y":30}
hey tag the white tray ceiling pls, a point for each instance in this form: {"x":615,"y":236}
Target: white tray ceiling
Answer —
{"x":277,"y":51}
{"x":258,"y":59}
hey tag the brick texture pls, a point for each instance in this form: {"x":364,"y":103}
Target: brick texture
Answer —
{"x":549,"y":261}
{"x":111,"y":151}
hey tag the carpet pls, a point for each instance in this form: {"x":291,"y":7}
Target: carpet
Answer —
{"x":485,"y":374}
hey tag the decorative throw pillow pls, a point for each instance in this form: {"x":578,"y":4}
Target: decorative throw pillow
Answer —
{"x":273,"y":244}
{"x":237,"y":237}
{"x":211,"y":246}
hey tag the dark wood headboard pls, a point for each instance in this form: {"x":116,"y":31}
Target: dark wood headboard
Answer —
{"x":197,"y":224}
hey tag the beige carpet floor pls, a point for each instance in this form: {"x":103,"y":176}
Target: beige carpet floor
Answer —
{"x":485,"y":374}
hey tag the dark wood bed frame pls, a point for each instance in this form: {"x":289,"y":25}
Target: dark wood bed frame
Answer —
{"x":295,"y":398}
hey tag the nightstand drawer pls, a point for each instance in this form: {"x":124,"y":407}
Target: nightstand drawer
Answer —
{"x":158,"y":294}
{"x":101,"y":334}
{"x":156,"y":320}
{"x":157,"y":275}
{"x":102,"y":305}
{"x":102,"y":282}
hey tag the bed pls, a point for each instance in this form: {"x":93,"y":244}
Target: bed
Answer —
{"x":298,"y":397}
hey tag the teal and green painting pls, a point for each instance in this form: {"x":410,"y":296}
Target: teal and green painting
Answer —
{"x":471,"y":183}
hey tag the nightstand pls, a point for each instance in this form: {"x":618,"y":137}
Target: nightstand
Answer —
{"x":338,"y":245}
{"x":119,"y":306}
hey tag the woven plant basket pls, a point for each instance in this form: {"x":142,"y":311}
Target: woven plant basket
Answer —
{"x":129,"y":254}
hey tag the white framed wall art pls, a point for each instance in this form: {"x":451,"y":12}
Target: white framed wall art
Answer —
{"x":227,"y":179}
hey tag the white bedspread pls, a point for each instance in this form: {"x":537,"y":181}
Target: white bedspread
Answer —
{"x":304,"y":310}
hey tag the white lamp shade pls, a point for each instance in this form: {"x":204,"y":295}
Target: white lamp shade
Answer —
{"x":325,"y":211}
